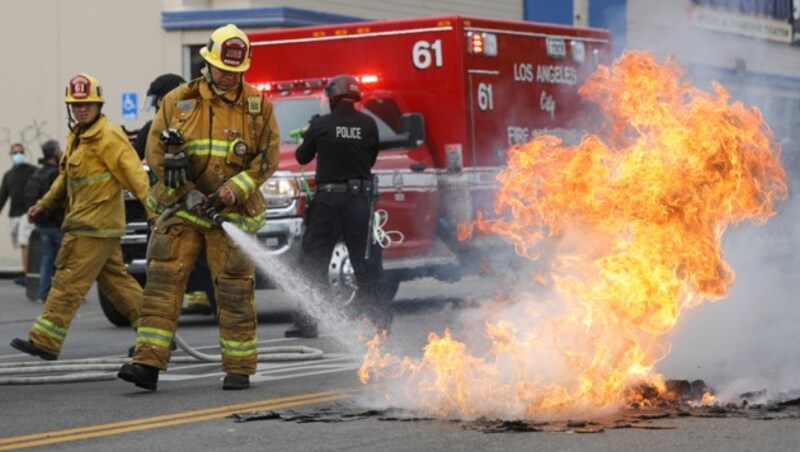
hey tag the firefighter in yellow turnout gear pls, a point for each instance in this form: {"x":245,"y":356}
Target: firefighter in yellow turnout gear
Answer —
{"x":217,"y":135}
{"x":98,"y":163}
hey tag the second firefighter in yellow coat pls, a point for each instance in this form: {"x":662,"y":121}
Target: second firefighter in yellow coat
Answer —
{"x":98,"y":163}
{"x":216,"y":135}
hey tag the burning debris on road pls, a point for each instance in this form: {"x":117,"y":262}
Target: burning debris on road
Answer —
{"x":631,"y":221}
{"x":654,"y":416}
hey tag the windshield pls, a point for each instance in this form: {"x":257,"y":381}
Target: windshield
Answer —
{"x":294,"y":114}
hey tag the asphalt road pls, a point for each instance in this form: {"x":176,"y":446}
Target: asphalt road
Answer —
{"x":190,"y":411}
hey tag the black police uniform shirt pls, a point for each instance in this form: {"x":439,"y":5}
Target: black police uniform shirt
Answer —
{"x":345,"y":143}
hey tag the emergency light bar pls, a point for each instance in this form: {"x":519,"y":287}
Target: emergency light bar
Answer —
{"x":482,"y":43}
{"x":366,"y":79}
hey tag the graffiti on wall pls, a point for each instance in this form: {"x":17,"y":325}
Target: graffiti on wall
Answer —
{"x":31,"y":134}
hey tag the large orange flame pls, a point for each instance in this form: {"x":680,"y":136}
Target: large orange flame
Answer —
{"x":633,"y":217}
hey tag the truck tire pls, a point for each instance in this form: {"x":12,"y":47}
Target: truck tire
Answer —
{"x":110,"y":311}
{"x":342,"y":279}
{"x":33,"y":265}
{"x":198,"y":281}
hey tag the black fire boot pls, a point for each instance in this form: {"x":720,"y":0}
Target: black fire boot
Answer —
{"x":141,"y":375}
{"x":27,"y":346}
{"x":236,"y":381}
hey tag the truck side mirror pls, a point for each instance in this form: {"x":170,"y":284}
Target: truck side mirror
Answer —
{"x":414,"y":125}
{"x":412,"y":133}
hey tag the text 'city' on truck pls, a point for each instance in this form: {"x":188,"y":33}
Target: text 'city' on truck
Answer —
{"x":450,"y":96}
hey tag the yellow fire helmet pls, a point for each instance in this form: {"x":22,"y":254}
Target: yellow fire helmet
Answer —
{"x":228,"y":49}
{"x":84,"y":88}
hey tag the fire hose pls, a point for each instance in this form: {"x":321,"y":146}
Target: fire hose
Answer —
{"x":101,"y":369}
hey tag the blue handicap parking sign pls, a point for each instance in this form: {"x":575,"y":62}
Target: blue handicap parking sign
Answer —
{"x":130,"y":106}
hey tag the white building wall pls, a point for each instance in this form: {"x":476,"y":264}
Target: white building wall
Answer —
{"x":122,"y":43}
{"x":662,"y":27}
{"x":372,"y":9}
{"x":47,"y":41}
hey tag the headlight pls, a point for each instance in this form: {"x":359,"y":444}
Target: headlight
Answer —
{"x":279,"y":192}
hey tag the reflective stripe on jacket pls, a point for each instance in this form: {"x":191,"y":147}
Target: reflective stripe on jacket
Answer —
{"x":98,"y":164}
{"x":211,"y":128}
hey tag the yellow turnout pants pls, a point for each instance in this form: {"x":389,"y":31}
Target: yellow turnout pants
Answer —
{"x":80,"y":262}
{"x":173,"y":247}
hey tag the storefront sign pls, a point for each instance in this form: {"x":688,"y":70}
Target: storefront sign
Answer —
{"x":761,"y":27}
{"x":774,"y":9}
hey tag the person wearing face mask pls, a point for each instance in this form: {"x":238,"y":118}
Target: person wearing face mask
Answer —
{"x":214,"y":138}
{"x":13,"y":187}
{"x":98,"y":163}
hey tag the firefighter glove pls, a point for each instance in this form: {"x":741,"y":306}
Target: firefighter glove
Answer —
{"x":176,"y":170}
{"x":172,"y":137}
{"x":194,"y":201}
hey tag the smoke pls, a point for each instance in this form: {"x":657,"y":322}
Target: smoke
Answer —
{"x":748,"y":341}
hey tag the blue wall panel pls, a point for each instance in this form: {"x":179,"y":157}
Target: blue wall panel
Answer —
{"x":552,"y":11}
{"x":611,"y":15}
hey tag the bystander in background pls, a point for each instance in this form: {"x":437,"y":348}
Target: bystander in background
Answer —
{"x":47,"y":223}
{"x":13,"y":186}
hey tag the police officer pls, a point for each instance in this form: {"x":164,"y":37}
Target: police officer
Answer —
{"x":98,"y":164}
{"x":215,"y":137}
{"x":345,"y":144}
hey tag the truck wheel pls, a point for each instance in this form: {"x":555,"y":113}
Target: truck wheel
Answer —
{"x":342,"y":279}
{"x":110,"y":311}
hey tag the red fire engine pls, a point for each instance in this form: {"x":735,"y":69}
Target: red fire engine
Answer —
{"x":450,"y":96}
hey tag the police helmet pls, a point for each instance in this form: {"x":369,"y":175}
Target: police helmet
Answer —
{"x":161,"y":85}
{"x":343,"y":86}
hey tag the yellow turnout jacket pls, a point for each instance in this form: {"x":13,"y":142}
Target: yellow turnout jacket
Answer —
{"x":230,"y":140}
{"x":98,"y":164}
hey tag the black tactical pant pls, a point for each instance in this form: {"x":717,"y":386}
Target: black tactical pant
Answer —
{"x":345,"y":215}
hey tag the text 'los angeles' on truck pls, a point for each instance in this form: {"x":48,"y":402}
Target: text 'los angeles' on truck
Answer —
{"x":450,"y":95}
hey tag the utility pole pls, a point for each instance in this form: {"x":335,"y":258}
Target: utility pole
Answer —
{"x":580,"y":13}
